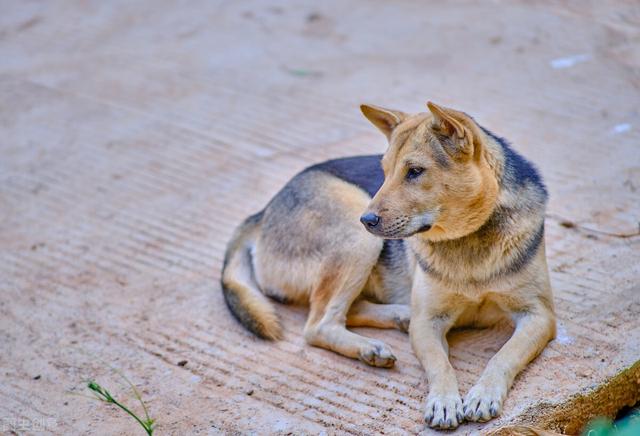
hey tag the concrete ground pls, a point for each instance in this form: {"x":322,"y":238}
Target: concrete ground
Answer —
{"x":134,"y":136}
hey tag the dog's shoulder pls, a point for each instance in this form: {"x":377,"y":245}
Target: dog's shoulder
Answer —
{"x":364,"y":172}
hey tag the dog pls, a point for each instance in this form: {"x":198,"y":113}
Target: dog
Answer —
{"x":472,"y":211}
{"x":453,"y":225}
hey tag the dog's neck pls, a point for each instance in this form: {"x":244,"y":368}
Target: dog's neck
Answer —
{"x":485,"y":254}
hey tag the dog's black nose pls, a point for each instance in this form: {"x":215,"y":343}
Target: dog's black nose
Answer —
{"x":370,"y":219}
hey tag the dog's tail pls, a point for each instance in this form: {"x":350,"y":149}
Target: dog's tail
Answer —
{"x":245,"y":300}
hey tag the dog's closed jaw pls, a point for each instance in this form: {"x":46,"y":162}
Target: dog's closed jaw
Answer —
{"x":421,"y":223}
{"x":398,"y":227}
{"x":384,"y":227}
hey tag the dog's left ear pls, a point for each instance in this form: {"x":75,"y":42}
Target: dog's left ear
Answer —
{"x":384,"y":119}
{"x":457,"y":127}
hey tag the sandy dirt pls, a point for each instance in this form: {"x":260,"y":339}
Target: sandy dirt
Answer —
{"x":134,"y":136}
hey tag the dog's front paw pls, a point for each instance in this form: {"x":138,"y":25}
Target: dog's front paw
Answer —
{"x":444,"y":411}
{"x":483,"y":403}
{"x":376,"y":353}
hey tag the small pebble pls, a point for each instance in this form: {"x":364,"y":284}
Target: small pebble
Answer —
{"x":567,"y":224}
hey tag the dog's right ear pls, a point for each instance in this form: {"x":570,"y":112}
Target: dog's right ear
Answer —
{"x":458,"y":128}
{"x":384,"y":119}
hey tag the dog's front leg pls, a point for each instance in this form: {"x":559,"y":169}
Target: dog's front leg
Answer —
{"x":534,"y":329}
{"x":428,"y":330}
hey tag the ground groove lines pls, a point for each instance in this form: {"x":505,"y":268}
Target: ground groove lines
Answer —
{"x":292,"y":321}
{"x":272,"y":128}
{"x":295,"y":405}
{"x":223,"y":132}
{"x":159,"y":178}
{"x":332,"y":400}
{"x":62,"y":260}
{"x":15,"y":418}
{"x":222,"y":91}
{"x":387,"y":383}
{"x":136,"y":240}
{"x":349,"y":369}
{"x":165,"y":231}
{"x":132,"y":109}
{"x":29,"y":405}
{"x":274,"y":99}
{"x":155,"y":241}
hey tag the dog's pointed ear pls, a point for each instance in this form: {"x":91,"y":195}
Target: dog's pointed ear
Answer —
{"x":457,"y":127}
{"x":384,"y":119}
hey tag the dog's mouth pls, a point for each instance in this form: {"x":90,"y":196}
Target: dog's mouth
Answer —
{"x":398,"y":233}
{"x":425,"y":228}
{"x":397,"y":227}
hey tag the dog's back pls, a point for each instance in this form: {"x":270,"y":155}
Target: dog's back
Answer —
{"x":364,"y":172}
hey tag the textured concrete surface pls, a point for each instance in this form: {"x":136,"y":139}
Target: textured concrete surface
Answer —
{"x":134,"y":136}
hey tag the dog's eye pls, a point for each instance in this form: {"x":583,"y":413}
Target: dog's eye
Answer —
{"x":414,"y":172}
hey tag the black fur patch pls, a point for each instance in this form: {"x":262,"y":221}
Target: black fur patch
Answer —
{"x":240,"y":312}
{"x":517,"y":170}
{"x":525,"y":255}
{"x":277,"y":296}
{"x":439,"y":155}
{"x":393,"y":254}
{"x":522,"y":258}
{"x":363,"y":171}
{"x":424,"y":266}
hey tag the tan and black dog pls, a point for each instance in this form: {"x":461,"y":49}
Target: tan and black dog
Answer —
{"x":451,"y":197}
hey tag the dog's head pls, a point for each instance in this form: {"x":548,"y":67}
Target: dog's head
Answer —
{"x":439,"y":180}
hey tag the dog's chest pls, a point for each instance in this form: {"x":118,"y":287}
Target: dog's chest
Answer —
{"x":483,"y":310}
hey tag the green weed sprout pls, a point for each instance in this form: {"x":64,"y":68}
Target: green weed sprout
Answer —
{"x":103,"y":395}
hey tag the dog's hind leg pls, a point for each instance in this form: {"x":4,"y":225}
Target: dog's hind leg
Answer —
{"x":329,"y":304}
{"x":364,"y":313}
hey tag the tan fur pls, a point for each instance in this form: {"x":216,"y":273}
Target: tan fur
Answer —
{"x":448,"y":216}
